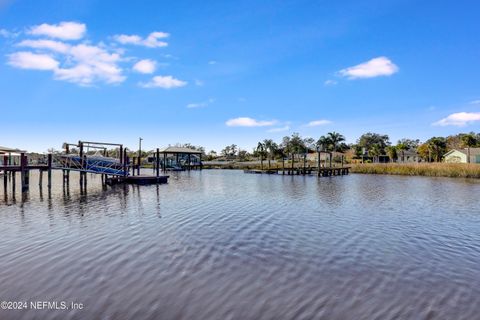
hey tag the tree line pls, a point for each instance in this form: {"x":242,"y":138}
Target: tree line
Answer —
{"x":369,"y":146}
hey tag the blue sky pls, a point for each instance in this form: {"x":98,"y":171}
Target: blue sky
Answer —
{"x":214,"y":73}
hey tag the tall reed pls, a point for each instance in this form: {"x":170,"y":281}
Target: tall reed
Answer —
{"x":454,"y":170}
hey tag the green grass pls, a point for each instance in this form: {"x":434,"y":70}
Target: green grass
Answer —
{"x":454,"y":170}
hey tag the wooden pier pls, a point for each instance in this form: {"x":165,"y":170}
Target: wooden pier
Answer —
{"x":258,"y":171}
{"x":322,"y":172}
{"x":168,"y":159}
{"x":121,"y":171}
{"x":325,"y":169}
{"x":139,"y":179}
{"x":10,"y":170}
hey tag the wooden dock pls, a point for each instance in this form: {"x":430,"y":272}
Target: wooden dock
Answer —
{"x":121,"y":171}
{"x":323,"y":172}
{"x":139,"y":180}
{"x":258,"y":171}
{"x":42,"y":167}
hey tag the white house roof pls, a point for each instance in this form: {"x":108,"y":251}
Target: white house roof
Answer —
{"x":180,"y":150}
{"x":473,"y":151}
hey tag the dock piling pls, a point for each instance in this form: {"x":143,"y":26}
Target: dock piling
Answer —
{"x":5,"y":175}
{"x":125,"y":162}
{"x":157,"y":162}
{"x":24,"y":172}
{"x":49,"y":172}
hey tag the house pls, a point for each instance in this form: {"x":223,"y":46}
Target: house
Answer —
{"x":337,"y":157}
{"x":408,"y":156}
{"x":467,"y":155}
{"x":12,"y":156}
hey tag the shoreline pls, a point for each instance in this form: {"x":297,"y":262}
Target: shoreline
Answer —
{"x":449,"y":170}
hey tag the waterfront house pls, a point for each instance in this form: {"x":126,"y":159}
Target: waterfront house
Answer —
{"x":312,"y":157}
{"x":12,"y":155}
{"x":408,"y":156}
{"x":467,"y":155}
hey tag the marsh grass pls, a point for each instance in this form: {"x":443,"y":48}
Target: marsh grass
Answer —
{"x":454,"y":170}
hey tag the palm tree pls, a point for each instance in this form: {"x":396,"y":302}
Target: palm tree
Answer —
{"x":270,"y":148}
{"x":392,"y":152}
{"x":469,"y":141}
{"x":324,"y":143}
{"x":402,"y":147}
{"x":293,"y":145}
{"x":437,"y":146}
{"x":261,"y":150}
{"x":375,"y":152}
{"x":335,"y":139}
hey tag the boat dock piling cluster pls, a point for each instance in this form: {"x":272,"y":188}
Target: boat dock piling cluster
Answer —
{"x":113,"y":170}
{"x":326,"y":169}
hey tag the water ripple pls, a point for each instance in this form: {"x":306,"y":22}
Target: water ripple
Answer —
{"x":226,"y":245}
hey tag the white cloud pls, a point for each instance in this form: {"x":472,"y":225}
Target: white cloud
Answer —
{"x":280,"y":129}
{"x":63,"y":30}
{"x":475,"y":102}
{"x":199,"y":82}
{"x":145,"y":66}
{"x":151,"y":41}
{"x":165,"y":82}
{"x":82,"y":64}
{"x":126,"y":39}
{"x":29,"y":60}
{"x":196,"y":105}
{"x":82,"y":74}
{"x":330,"y":82}
{"x":459,"y":119}
{"x":92,"y":63}
{"x":381,"y":66}
{"x":8,"y":34}
{"x":317,"y":123}
{"x":4,"y":33}
{"x":212,"y":62}
{"x":249,"y":122}
{"x":200,"y":104}
{"x":53,"y":45}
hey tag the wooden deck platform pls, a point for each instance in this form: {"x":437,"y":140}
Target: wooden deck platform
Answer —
{"x":43,"y":167}
{"x":140,"y":180}
{"x":258,"y":171}
{"x":323,"y":172}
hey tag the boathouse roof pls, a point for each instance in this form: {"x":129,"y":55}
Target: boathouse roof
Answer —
{"x":180,"y":150}
{"x":10,"y":150}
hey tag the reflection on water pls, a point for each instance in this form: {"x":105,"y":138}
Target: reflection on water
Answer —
{"x":227,"y":245}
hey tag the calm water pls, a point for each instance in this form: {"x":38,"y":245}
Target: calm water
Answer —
{"x":228,"y":245}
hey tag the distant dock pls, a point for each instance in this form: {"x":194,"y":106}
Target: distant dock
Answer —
{"x":322,"y":172}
